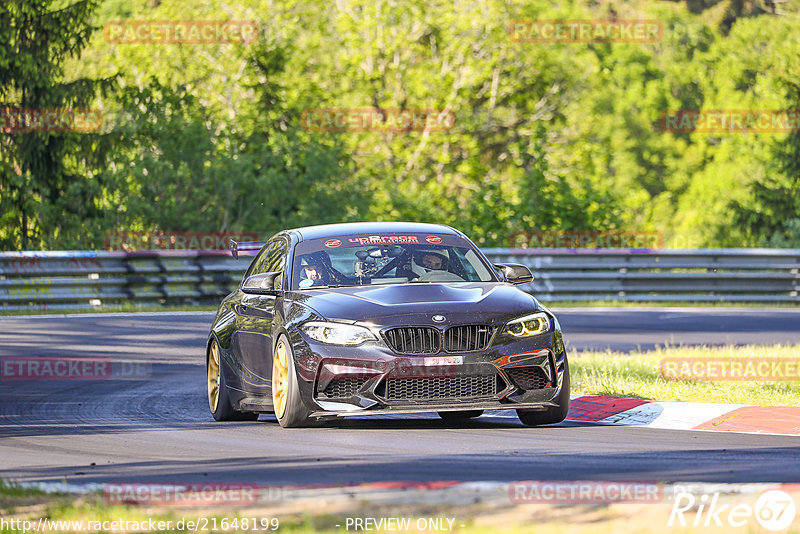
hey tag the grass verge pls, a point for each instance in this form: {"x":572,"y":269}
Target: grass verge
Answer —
{"x":490,"y":511}
{"x":24,"y":509}
{"x":638,"y":375}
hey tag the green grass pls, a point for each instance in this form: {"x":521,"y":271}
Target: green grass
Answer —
{"x":490,"y":517}
{"x":13,"y":495}
{"x":27,"y":504}
{"x":637,"y":374}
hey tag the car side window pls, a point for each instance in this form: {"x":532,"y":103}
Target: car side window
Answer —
{"x":257,"y":267}
{"x":275,"y":261}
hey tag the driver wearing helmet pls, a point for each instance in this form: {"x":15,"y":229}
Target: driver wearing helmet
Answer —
{"x":310,"y":272}
{"x":432,"y":261}
{"x":426,"y":261}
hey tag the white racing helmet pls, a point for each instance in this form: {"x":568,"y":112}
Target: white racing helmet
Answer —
{"x":421,"y":270}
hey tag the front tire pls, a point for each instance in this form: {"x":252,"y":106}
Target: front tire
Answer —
{"x":553,"y":414}
{"x":218,"y":400}
{"x":289,"y":408}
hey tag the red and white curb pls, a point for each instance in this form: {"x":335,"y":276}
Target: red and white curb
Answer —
{"x":624,"y":411}
{"x":686,"y":415}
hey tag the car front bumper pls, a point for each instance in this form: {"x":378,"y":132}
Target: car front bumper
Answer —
{"x":336,"y":381}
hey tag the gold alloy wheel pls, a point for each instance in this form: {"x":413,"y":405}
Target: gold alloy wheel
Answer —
{"x":280,"y":378}
{"x":213,"y":377}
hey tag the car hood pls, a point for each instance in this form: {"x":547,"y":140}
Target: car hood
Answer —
{"x":395,"y":304}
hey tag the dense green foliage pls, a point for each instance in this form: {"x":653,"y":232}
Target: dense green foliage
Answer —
{"x":48,"y":180}
{"x":547,"y":136}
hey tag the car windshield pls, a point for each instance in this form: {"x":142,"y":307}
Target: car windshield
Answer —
{"x":387,"y":259}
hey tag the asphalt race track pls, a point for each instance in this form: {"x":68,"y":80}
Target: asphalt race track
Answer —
{"x":153,"y":424}
{"x":626,"y":329}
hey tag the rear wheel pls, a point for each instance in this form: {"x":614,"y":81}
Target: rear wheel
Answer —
{"x":460,"y":416}
{"x":289,"y":407}
{"x":218,"y":400}
{"x":554,"y":414}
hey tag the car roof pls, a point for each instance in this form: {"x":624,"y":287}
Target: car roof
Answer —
{"x":335,"y":230}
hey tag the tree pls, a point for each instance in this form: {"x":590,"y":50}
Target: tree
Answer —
{"x":724,"y":13}
{"x":772,"y":217}
{"x":48,"y":174}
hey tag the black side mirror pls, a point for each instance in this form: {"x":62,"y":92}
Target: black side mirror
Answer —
{"x":261,"y":284}
{"x":515,"y":273}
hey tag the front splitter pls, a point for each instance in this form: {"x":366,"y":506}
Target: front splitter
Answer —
{"x":433,"y":408}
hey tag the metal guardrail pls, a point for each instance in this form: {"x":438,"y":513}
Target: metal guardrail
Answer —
{"x":88,"y":279}
{"x":645,"y":275}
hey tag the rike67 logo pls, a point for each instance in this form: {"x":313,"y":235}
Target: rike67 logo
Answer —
{"x":774,"y":510}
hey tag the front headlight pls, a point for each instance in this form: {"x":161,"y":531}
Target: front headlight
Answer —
{"x":337,"y":333}
{"x":530,"y":325}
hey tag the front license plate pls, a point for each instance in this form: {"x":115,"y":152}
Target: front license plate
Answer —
{"x":444,"y":360}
